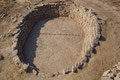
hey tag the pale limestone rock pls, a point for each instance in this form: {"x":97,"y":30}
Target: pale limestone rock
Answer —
{"x":115,"y":71}
{"x":85,"y":59}
{"x":56,"y":73}
{"x":48,"y":75}
{"x":74,"y":69}
{"x":14,"y":45}
{"x":111,"y":75}
{"x":16,"y":60}
{"x":80,"y":66}
{"x":34,"y":72}
{"x":118,"y":63}
{"x":88,"y":54}
{"x":16,"y":31}
{"x":106,"y":73}
{"x":14,"y":20}
{"x":118,"y":67}
{"x":66,"y":71}
{"x":25,"y":66}
{"x":15,"y":52}
{"x":117,"y":77}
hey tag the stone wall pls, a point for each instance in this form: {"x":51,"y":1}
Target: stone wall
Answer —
{"x":85,"y":17}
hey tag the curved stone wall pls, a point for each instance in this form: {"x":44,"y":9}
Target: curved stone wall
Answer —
{"x":85,"y":17}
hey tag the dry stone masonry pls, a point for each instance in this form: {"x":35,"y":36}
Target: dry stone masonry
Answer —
{"x":85,"y":17}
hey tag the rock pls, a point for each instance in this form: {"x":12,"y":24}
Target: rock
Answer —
{"x":80,"y":66}
{"x":85,"y":59}
{"x":1,"y":57}
{"x":118,"y":63}
{"x":3,"y":15}
{"x":14,"y":20}
{"x":14,"y":46}
{"x":15,"y":52}
{"x":25,"y":66}
{"x":56,"y":73}
{"x":118,"y":66}
{"x":76,"y":65}
{"x":74,"y":69}
{"x":106,"y":73}
{"x":66,"y":71}
{"x":16,"y":31}
{"x":111,"y":75}
{"x":115,"y":71}
{"x":106,"y":78}
{"x":0,"y":36}
{"x":49,"y":75}
{"x":16,"y":60}
{"x":20,"y":70}
{"x":7,"y":51}
{"x":88,"y":54}
{"x":34,"y":72}
{"x":16,"y":36}
{"x":41,"y":74}
{"x":96,"y":42}
{"x":21,"y":1}
{"x":117,"y":77}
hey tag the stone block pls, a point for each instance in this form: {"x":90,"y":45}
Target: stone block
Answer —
{"x":74,"y":69}
{"x":106,"y":73}
{"x":66,"y":71}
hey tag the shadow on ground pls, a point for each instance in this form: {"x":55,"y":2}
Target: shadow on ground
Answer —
{"x":30,"y":51}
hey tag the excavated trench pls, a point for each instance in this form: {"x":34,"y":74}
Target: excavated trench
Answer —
{"x":56,"y":37}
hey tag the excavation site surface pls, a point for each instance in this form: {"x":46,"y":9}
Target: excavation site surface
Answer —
{"x":54,"y":44}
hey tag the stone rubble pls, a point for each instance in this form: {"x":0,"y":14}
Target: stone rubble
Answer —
{"x":112,"y":74}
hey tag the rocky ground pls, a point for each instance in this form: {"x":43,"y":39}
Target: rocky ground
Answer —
{"x":107,"y":54}
{"x":113,"y":73}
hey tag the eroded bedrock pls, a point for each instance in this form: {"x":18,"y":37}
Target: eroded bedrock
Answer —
{"x":54,"y":44}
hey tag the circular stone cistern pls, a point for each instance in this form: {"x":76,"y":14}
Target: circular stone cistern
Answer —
{"x":56,"y":38}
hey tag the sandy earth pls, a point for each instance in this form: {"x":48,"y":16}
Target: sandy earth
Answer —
{"x":108,"y":53}
{"x":54,"y":44}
